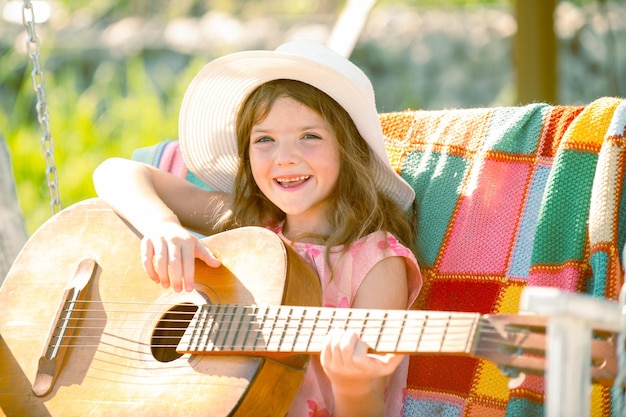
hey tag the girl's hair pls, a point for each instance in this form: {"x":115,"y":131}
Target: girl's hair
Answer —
{"x":356,"y":206}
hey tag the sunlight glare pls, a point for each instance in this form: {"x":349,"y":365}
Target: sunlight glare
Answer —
{"x":12,"y":11}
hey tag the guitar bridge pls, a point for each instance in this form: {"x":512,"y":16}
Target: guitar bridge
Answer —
{"x":64,"y":327}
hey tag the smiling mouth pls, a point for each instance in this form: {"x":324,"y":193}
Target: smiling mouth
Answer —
{"x":292,"y":182}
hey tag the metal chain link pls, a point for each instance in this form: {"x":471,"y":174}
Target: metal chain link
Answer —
{"x":37,"y":77}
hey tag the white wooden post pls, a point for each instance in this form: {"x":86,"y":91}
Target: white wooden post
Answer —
{"x":571,"y":318}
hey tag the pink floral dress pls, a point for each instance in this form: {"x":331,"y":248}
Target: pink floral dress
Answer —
{"x":315,"y":399}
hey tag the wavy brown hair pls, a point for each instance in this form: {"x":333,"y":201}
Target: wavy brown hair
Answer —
{"x":356,"y":207}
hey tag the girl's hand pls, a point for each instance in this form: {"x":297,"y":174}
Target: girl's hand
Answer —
{"x":350,"y":367}
{"x":168,"y":256}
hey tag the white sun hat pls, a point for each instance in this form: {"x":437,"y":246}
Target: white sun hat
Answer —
{"x":212,"y":101}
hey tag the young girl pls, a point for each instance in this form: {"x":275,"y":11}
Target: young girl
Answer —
{"x":291,"y":140}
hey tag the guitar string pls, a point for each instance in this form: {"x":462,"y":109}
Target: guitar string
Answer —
{"x":485,"y":331}
{"x":397,"y":323}
{"x":490,"y":342}
{"x":445,"y":318}
{"x":401,"y":316}
{"x":431,"y":315}
{"x":314,"y":340}
{"x":392,"y":324}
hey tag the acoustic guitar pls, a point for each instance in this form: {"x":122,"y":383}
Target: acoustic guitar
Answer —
{"x":84,"y":332}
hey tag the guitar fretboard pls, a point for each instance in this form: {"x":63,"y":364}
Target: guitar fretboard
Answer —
{"x":240,"y":328}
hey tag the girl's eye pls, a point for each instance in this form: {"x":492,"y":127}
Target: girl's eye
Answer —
{"x":311,"y":136}
{"x":263,"y":139}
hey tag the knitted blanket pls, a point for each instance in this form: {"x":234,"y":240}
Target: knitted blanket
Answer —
{"x":507,"y":197}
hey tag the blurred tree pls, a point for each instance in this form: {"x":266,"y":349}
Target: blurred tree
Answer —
{"x":535,"y":51}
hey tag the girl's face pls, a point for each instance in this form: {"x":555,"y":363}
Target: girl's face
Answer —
{"x":294,"y":158}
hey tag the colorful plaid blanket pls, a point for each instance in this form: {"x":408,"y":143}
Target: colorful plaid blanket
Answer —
{"x":507,"y":197}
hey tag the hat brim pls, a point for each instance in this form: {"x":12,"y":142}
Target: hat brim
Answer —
{"x":213,"y":99}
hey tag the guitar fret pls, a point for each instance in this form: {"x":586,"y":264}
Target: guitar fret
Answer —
{"x":261,"y":334}
{"x":207,"y":332}
{"x":314,"y":318}
{"x":299,"y":331}
{"x":225,"y":327}
{"x":270,"y":338}
{"x":199,"y":330}
{"x":313,"y":330}
{"x":256,"y":322}
{"x":433,"y":341}
{"x":432,"y":336}
{"x":297,"y":328}
{"x":242,"y":330}
{"x":398,"y":320}
{"x":292,"y":329}
{"x":370,"y":333}
{"x":402,"y":331}
{"x":249,"y":312}
{"x":411,"y":338}
{"x":420,"y":336}
{"x":380,"y":335}
{"x":241,"y":315}
{"x":321,"y":327}
{"x":303,"y":329}
{"x":333,"y":320}
{"x":272,"y":319}
{"x":390,"y":332}
{"x":196,"y":328}
{"x":291,"y":333}
{"x":284,"y":323}
{"x":212,"y":337}
{"x":216,"y":337}
{"x":283,"y":344}
{"x":452,"y":340}
{"x":364,"y":324}
{"x":439,"y":335}
{"x":443,"y":336}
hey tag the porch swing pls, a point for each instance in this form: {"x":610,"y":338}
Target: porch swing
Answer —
{"x":521,"y":225}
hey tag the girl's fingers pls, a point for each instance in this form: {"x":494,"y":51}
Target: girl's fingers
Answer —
{"x":147,"y":259}
{"x":174,"y":269}
{"x":171,"y":262}
{"x":155,"y":261}
{"x":345,"y":355}
{"x":385,"y":364}
{"x":338,"y":349}
{"x":203,"y":253}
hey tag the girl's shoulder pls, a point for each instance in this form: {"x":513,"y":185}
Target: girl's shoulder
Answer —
{"x":379,"y":241}
{"x":364,"y":254}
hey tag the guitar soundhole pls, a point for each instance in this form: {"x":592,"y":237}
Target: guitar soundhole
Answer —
{"x":170,"y":330}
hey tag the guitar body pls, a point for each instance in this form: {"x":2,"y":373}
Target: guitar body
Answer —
{"x":112,"y":367}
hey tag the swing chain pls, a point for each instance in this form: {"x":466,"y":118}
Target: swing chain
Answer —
{"x":37,"y":77}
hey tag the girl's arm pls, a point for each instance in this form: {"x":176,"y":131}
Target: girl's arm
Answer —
{"x":145,"y":195}
{"x":357,"y":377}
{"x":162,"y":206}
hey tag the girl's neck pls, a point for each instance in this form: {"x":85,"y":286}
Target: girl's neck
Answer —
{"x":306,"y":232}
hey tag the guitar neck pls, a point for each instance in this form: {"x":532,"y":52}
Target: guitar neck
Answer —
{"x":266,"y":330}
{"x":291,"y":329}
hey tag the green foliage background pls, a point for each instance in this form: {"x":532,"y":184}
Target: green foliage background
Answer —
{"x":112,"y":116}
{"x":101,"y":107}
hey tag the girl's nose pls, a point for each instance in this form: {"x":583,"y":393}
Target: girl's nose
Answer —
{"x":286,"y":154}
